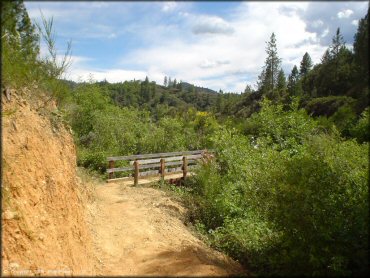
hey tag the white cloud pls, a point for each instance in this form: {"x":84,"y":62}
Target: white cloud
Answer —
{"x":169,"y":6}
{"x":354,"y":22}
{"x":211,"y":64}
{"x":226,"y":62}
{"x":317,"y":23}
{"x":325,"y":33}
{"x":111,"y":75}
{"x":345,"y":13}
{"x":210,"y":50}
{"x":211,"y":25}
{"x":81,"y":20}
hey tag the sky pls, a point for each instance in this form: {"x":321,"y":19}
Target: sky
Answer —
{"x":219,"y":45}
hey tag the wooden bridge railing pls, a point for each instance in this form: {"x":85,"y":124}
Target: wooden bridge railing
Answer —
{"x":157,"y":161}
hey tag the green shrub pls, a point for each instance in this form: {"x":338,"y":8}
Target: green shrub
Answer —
{"x":283,"y":129}
{"x":344,"y":119}
{"x":296,"y":208}
{"x":361,"y":131}
{"x":101,"y":127}
{"x":327,"y":106}
{"x":95,"y":160}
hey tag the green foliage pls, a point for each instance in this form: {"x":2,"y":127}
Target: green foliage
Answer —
{"x":19,"y":45}
{"x":361,"y":131}
{"x":283,"y":129}
{"x":104,"y":129}
{"x":285,"y":194}
{"x":361,"y":50}
{"x":290,"y":201}
{"x":335,"y":76}
{"x":281,"y":84}
{"x":306,"y":64}
{"x":268,"y":79}
{"x":22,"y":65}
{"x":53,"y":68}
{"x":18,"y":31}
{"x":344,"y":119}
{"x":293,"y":86}
{"x":327,"y":105}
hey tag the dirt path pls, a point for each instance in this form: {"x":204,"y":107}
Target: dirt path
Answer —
{"x":138,"y":231}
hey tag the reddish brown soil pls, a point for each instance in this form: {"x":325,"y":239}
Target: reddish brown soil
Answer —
{"x":44,"y":230}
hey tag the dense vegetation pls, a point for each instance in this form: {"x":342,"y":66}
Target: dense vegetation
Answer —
{"x":287,"y":191}
{"x":289,"y":198}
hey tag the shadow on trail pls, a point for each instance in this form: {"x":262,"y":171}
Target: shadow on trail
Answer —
{"x":190,"y":260}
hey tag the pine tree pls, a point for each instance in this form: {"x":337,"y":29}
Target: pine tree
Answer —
{"x":281,"y":84}
{"x":165,"y":81}
{"x":306,"y":64}
{"x":174,"y":83}
{"x":326,"y":57}
{"x":17,"y":29}
{"x":337,"y":49}
{"x":361,"y":49}
{"x":267,"y":81}
{"x":169,"y":84}
{"x":145,"y":90}
{"x":248,"y":89}
{"x":336,"y":45}
{"x":292,"y":82}
{"x":152,"y":89}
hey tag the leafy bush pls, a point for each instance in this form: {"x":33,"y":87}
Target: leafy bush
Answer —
{"x":361,"y":131}
{"x":282,"y":129}
{"x":328,"y":105}
{"x":22,"y":64}
{"x":296,"y":208}
{"x":105,"y":129}
{"x":344,"y":119}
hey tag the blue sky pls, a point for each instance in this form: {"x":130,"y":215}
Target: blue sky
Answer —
{"x":219,"y":45}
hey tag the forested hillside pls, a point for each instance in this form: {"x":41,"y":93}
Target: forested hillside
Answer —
{"x":334,"y":91}
{"x":287,"y":192}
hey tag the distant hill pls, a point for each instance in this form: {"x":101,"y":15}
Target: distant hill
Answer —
{"x":140,"y":93}
{"x":186,"y":86}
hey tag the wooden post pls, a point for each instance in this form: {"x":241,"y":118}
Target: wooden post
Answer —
{"x":136,"y":175}
{"x":184,"y":166}
{"x":111,"y":166}
{"x":162,"y":167}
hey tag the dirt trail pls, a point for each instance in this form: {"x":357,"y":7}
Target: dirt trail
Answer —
{"x":138,"y":231}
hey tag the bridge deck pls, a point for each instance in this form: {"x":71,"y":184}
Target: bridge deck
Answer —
{"x":147,"y":180}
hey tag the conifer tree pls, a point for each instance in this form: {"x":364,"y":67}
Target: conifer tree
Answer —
{"x":326,"y":57}
{"x":281,"y":84}
{"x":337,"y":44}
{"x":292,"y":82}
{"x":306,"y":64}
{"x":361,"y":49}
{"x":169,"y":84}
{"x":17,"y":29}
{"x":268,"y":79}
{"x":145,"y":90}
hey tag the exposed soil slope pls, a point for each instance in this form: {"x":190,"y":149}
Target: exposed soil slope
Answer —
{"x":44,"y":230}
{"x":138,"y":231}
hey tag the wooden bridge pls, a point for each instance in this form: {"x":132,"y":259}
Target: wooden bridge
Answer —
{"x":157,"y":166}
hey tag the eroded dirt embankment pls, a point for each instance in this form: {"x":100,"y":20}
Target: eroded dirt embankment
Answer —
{"x":44,"y":229}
